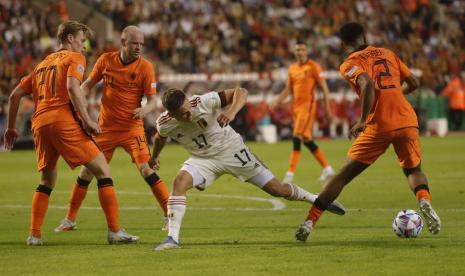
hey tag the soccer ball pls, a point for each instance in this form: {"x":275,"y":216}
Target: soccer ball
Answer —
{"x":407,"y":224}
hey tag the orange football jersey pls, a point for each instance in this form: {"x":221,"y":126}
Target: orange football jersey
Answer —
{"x":124,"y":87}
{"x":302,"y":80}
{"x":391,"y":110}
{"x":47,"y":83}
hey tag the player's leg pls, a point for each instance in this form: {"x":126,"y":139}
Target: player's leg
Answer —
{"x":327,"y":196}
{"x":297,"y":136}
{"x":158,"y":188}
{"x":135,"y":143}
{"x":77,"y":149}
{"x":309,"y":143}
{"x":107,"y":197}
{"x":365,"y":150}
{"x":293,"y":159}
{"x":268,"y":183}
{"x":40,"y":202}
{"x":78,"y":194}
{"x":327,"y":171}
{"x":107,"y":145}
{"x":407,"y":147}
{"x":47,"y":157}
{"x":184,"y":180}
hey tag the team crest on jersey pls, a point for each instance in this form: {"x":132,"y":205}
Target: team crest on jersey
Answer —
{"x":202,"y":123}
{"x":133,"y":76}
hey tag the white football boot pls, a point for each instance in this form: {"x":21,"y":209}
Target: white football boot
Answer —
{"x":169,"y":243}
{"x":304,"y":230}
{"x":121,"y":237}
{"x":432,"y":219}
{"x":65,"y":225}
{"x":327,"y":173}
{"x":33,"y":241}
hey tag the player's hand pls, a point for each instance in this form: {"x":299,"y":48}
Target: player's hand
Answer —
{"x":92,"y":128}
{"x":11,"y":135}
{"x":357,"y":129}
{"x":138,"y":113}
{"x":225,"y":118}
{"x":154,"y":163}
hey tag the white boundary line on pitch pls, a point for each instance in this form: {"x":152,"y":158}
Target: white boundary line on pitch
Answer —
{"x":151,"y":208}
{"x":276,"y":203}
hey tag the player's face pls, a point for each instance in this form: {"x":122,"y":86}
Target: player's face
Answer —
{"x":183,"y":114}
{"x":132,"y":46}
{"x":78,"y":42}
{"x":300,"y":52}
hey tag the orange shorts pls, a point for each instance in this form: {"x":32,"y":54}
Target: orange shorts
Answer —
{"x":66,"y":139}
{"x":134,"y":142}
{"x":369,"y":146}
{"x":303,"y":122}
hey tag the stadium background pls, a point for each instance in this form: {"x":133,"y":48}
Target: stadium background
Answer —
{"x":205,"y":45}
{"x":232,"y":229}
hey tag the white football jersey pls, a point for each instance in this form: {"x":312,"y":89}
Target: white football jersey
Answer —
{"x":203,"y":136}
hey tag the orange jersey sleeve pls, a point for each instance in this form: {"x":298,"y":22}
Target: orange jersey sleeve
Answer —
{"x":76,"y":66}
{"x":150,"y":81}
{"x":97,"y":72}
{"x":26,"y":83}
{"x":390,"y":110}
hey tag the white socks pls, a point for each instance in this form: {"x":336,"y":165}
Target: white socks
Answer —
{"x":300,"y":194}
{"x":176,"y":210}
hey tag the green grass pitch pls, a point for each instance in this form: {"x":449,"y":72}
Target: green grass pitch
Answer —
{"x":233,"y":228}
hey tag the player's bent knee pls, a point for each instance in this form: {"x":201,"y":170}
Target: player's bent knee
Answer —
{"x":182,"y":182}
{"x":145,"y":169}
{"x":409,"y":171}
{"x":99,"y":167}
{"x":296,"y":142}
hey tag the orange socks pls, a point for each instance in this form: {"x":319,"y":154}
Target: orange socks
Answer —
{"x":77,"y":196}
{"x":316,"y":211}
{"x":314,"y":214}
{"x":39,"y":208}
{"x":320,"y":157}
{"x":107,"y":197}
{"x":422,"y":192}
{"x":159,"y":190}
{"x":294,"y":160}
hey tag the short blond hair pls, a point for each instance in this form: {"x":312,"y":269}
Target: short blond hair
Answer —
{"x":71,"y":28}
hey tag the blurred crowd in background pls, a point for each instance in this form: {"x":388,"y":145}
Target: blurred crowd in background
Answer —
{"x":203,"y":36}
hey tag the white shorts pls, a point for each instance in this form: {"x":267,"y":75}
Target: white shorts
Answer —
{"x":242,"y":164}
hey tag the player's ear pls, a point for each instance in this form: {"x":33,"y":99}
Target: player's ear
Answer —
{"x":70,"y":38}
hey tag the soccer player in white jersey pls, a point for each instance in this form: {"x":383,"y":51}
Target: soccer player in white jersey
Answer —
{"x":202,"y":127}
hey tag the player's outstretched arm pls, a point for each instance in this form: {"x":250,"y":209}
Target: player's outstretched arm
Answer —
{"x":11,"y":134}
{"x":412,"y":84}
{"x":367,"y":97}
{"x":281,"y":97}
{"x":77,"y":98}
{"x":158,"y":145}
{"x":236,"y":99}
